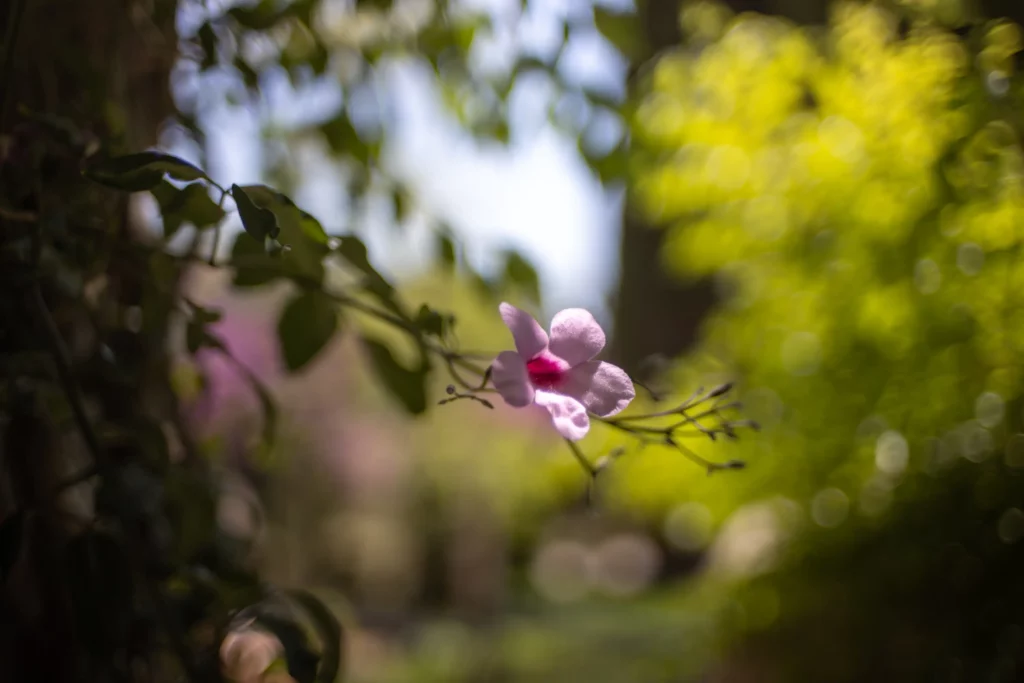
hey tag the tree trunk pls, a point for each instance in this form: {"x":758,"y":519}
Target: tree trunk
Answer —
{"x":75,"y":75}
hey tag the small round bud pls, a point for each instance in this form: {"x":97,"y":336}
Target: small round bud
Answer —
{"x":246,"y":654}
{"x":450,"y":389}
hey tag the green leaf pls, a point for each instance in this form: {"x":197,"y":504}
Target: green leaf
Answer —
{"x":354,"y":252}
{"x":195,"y":336}
{"x":249,"y":75}
{"x":446,"y":250}
{"x":258,"y":17}
{"x":303,"y":235}
{"x":610,"y":167}
{"x":208,"y":42}
{"x":306,"y":325}
{"x":621,"y":29}
{"x":400,"y":204}
{"x":343,"y":138}
{"x":190,"y":204}
{"x":329,"y":629}
{"x":253,"y":267}
{"x":408,"y":386}
{"x":430,"y":321}
{"x":259,"y":222}
{"x":521,"y":274}
{"x":142,"y":171}
{"x":11,"y":534}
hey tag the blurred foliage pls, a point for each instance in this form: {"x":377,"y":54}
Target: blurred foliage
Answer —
{"x":855,"y":191}
{"x":858,"y":195}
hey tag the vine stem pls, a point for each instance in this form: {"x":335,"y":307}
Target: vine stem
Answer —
{"x":470,"y":363}
{"x":582,"y":459}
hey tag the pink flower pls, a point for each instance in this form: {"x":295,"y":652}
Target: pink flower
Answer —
{"x":560,"y":374}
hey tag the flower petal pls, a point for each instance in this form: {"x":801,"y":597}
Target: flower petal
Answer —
{"x":603,"y":388}
{"x":567,"y":414}
{"x":529,"y":335}
{"x":575,"y":336}
{"x":508,"y":373}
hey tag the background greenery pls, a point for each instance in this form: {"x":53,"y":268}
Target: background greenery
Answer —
{"x":231,"y":420}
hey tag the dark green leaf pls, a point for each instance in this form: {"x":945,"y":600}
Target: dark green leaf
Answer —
{"x":303,"y":9}
{"x":249,"y":75}
{"x":528,"y":63}
{"x":253,"y":267}
{"x":319,"y":58}
{"x":329,"y":629}
{"x":11,"y":534}
{"x":208,"y":42}
{"x":258,"y":17}
{"x":343,"y":139}
{"x":354,"y":252}
{"x":306,"y":325}
{"x":142,"y":171}
{"x":190,"y":204}
{"x":408,"y":386}
{"x":400,"y":204}
{"x":621,"y":29}
{"x":521,"y":274}
{"x":497,"y":129}
{"x":430,"y":321}
{"x":610,"y":167}
{"x":299,"y":231}
{"x":195,"y":336}
{"x":259,"y":222}
{"x":446,"y":250}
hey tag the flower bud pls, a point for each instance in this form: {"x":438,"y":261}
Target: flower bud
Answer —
{"x":246,"y":654}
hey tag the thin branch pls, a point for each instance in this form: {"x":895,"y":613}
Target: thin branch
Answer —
{"x":584,"y":463}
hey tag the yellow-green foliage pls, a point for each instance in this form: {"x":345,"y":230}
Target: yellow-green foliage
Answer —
{"x":860,"y":194}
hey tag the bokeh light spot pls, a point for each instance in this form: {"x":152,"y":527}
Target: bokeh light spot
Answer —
{"x":829,"y":507}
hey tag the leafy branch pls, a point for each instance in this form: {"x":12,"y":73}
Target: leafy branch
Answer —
{"x":283,"y":242}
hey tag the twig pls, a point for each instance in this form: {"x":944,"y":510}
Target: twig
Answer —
{"x":584,"y":463}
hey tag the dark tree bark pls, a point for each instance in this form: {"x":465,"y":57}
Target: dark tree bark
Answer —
{"x":74,"y":75}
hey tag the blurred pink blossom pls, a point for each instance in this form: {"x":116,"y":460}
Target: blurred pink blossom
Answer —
{"x":229,"y":400}
{"x":559,"y":374}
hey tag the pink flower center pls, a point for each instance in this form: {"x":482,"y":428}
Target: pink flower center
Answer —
{"x":545,"y":373}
